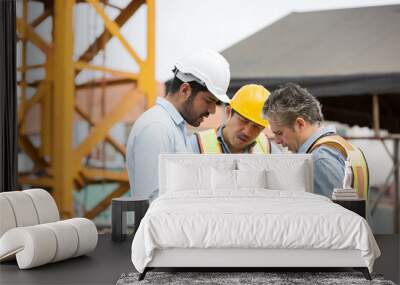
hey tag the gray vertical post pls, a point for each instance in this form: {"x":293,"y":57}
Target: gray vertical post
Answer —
{"x":396,"y":186}
{"x":116,"y":223}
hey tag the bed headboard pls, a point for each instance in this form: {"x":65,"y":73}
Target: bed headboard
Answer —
{"x":291,"y":168}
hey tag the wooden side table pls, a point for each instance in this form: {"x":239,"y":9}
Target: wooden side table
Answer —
{"x":119,"y":207}
{"x":357,"y":206}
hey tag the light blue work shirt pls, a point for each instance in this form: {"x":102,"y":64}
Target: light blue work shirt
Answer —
{"x":224,"y":146}
{"x":161,"y":129}
{"x":328,"y":163}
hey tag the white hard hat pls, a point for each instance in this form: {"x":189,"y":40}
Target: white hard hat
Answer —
{"x":208,"y":68}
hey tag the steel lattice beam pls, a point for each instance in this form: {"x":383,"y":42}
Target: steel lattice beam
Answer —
{"x":57,"y":164}
{"x":106,"y":36}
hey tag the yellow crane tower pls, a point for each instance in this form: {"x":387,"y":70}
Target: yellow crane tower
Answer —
{"x":57,"y":163}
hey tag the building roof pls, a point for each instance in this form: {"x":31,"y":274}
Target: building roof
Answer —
{"x":333,"y":53}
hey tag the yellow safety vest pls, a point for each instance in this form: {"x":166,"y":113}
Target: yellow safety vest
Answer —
{"x":208,"y":143}
{"x":356,"y":157}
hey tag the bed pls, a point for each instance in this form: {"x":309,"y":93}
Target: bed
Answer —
{"x":247,"y":210}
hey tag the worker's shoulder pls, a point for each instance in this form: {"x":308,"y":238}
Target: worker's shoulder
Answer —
{"x":324,"y":152}
{"x":154,"y":120}
{"x":156,"y":115}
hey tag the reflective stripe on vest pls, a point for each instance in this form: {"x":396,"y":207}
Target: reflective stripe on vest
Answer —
{"x":356,"y":157}
{"x":208,"y":143}
{"x":262,"y":145}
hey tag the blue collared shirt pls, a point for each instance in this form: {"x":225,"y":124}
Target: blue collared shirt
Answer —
{"x":224,"y":145}
{"x":161,"y":129}
{"x":328,"y":163}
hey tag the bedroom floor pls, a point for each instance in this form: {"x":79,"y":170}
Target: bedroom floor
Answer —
{"x":110,"y":260}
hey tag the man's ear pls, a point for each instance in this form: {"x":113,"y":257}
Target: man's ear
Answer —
{"x":228,"y":111}
{"x":185,"y":90}
{"x":299,"y":124}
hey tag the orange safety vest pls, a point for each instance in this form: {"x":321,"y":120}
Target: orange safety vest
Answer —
{"x":354,"y":155}
{"x":209,"y":144}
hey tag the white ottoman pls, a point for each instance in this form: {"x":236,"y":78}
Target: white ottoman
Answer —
{"x":31,"y":232}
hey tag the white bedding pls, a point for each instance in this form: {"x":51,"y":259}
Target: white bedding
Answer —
{"x":251,"y":218}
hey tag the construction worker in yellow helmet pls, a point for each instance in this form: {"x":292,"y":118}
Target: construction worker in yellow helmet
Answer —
{"x":243,"y":130}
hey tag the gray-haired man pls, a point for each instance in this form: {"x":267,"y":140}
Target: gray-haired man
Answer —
{"x":296,"y":119}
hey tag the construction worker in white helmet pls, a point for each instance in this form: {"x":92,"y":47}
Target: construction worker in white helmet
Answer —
{"x":243,"y":130}
{"x":200,"y":82}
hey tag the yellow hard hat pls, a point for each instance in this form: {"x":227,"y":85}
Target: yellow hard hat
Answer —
{"x":249,"y":100}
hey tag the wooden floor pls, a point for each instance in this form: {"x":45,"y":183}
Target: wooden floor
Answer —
{"x":110,"y":260}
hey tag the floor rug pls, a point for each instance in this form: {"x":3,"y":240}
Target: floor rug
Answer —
{"x":225,"y":278}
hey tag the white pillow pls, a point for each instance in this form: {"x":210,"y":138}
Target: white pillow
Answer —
{"x":223,"y":179}
{"x":283,"y":172}
{"x":296,"y":181}
{"x":227,"y":179}
{"x":251,"y":179}
{"x":183,"y":177}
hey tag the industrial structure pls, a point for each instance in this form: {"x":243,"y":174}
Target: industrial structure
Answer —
{"x":58,"y":164}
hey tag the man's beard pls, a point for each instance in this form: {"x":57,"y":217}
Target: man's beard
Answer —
{"x":189,"y":114}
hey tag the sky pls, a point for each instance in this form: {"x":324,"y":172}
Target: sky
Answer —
{"x":183,"y":26}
